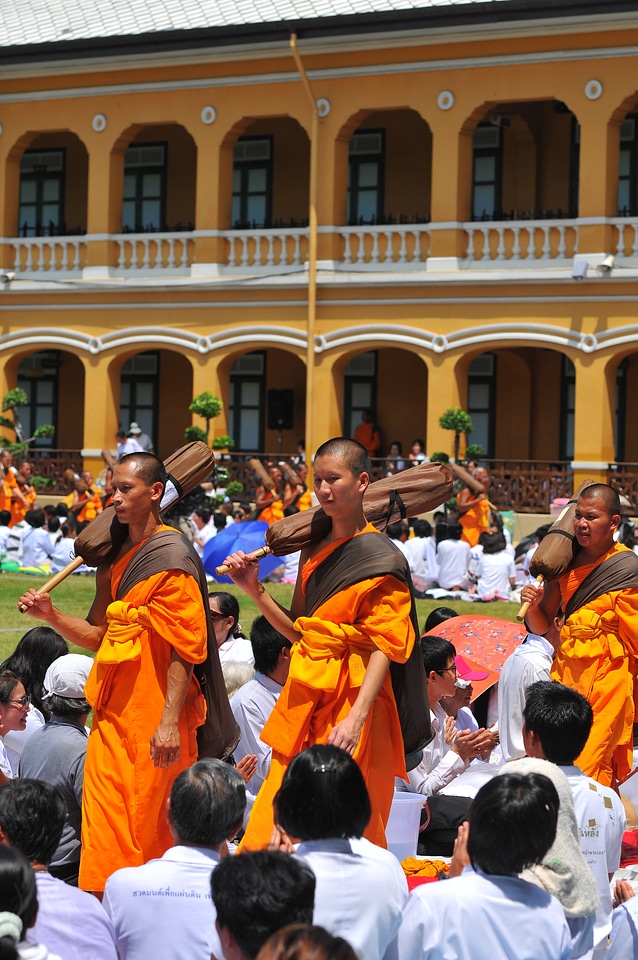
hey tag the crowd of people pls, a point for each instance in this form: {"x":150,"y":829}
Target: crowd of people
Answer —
{"x":195,"y":822}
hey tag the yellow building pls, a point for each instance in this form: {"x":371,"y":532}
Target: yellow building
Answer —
{"x":422,"y":205}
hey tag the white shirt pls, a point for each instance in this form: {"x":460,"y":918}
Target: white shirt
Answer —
{"x":70,"y":922}
{"x":36,"y":547}
{"x":453,"y":557}
{"x":128,"y":446}
{"x":431,"y":563}
{"x":495,"y":570}
{"x":624,"y":931}
{"x":601,"y":821}
{"x":163,"y":910}
{"x":439,"y":764}
{"x":252,"y":705}
{"x":531,"y":661}
{"x":238,"y":649}
{"x":414,"y":550}
{"x":483,"y":918}
{"x":15,"y":740}
{"x":360,"y":892}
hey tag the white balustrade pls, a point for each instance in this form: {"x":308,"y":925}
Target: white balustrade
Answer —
{"x":521,"y":241}
{"x":48,"y":255}
{"x":152,"y":253}
{"x":627,"y":240}
{"x":386,"y":246}
{"x":272,"y":250}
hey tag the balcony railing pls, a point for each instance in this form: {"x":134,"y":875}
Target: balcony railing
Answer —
{"x":383,"y":247}
{"x":273,"y":250}
{"x":45,"y":256}
{"x":150,"y":253}
{"x":522,"y":242}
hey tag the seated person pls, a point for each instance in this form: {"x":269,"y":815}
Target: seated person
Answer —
{"x":323,"y":802}
{"x":231,"y":643}
{"x":447,"y":755}
{"x":453,"y":558}
{"x":495,"y":572}
{"x":489,"y":911}
{"x":36,"y":543}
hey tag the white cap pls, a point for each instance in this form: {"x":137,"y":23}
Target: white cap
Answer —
{"x":135,"y":428}
{"x":67,"y":675}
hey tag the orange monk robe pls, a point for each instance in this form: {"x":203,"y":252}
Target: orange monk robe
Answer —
{"x":124,"y":794}
{"x":367,"y":434}
{"x":91,"y":506}
{"x":273,"y":512}
{"x":305,"y":501}
{"x":326,"y":670}
{"x":597,"y":657}
{"x":475,"y":521}
{"x":18,"y":508}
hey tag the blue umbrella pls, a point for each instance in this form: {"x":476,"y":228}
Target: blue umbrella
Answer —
{"x":247,"y":535}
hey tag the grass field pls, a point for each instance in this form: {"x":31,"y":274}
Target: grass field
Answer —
{"x":75,"y":595}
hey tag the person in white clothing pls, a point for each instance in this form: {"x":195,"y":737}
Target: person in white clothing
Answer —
{"x":447,"y":755}
{"x":496,"y":572}
{"x":557,"y":721}
{"x":126,"y":444}
{"x":623,"y":942}
{"x":253,"y":702}
{"x":323,"y":801}
{"x":488,"y":911}
{"x":453,"y":558}
{"x":36,"y":543}
{"x":531,"y":661}
{"x":231,"y":643}
{"x":163,"y":908}
{"x":19,"y":899}
{"x":204,"y":528}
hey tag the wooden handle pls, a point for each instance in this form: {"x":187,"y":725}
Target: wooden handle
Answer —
{"x":57,"y":578}
{"x":522,"y":613}
{"x":255,"y":555}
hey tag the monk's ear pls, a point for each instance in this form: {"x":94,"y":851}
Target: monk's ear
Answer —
{"x":615,"y":521}
{"x":157,"y":491}
{"x":364,"y":480}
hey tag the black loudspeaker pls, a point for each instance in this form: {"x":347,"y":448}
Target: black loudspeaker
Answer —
{"x":281,"y":405}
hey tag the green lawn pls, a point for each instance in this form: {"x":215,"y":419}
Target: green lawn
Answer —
{"x":75,"y":595}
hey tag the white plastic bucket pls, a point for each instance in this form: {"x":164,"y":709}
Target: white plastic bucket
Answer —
{"x":402,"y":831}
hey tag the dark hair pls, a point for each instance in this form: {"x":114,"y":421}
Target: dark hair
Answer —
{"x":436,"y":653}
{"x":256,"y":894}
{"x":32,"y":815}
{"x":5,"y":518}
{"x":422,"y":528}
{"x":301,"y":941}
{"x":219,"y":520}
{"x":396,"y":443}
{"x":207,"y":803}
{"x":323,"y":795}
{"x":512,"y":823}
{"x":441,"y":531}
{"x":35,"y":518}
{"x":560,"y":717}
{"x":420,"y":442}
{"x":228,"y":607}
{"x":492,"y":543}
{"x":18,"y":895}
{"x":396,"y":530}
{"x":8,"y":682}
{"x":147,"y":466}
{"x":31,"y":659}
{"x":354,"y":454}
{"x":437,"y":616}
{"x":609,"y":497}
{"x":62,"y":510}
{"x":454,"y":531}
{"x":53,"y":523}
{"x":266,"y":643}
{"x":203,"y":513}
{"x":68,"y":707}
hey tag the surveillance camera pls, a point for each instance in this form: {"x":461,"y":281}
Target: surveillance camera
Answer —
{"x":607,"y":264}
{"x":579,"y":270}
{"x":7,"y":276}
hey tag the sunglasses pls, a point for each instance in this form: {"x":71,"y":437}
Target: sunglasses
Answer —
{"x":216,"y":615}
{"x":22,"y":701}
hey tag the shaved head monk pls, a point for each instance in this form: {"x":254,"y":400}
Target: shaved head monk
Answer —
{"x":350,"y":618}
{"x":148,"y":625}
{"x":599,"y":641}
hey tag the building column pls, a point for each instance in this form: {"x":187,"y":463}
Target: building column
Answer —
{"x":598,"y":181}
{"x":451,"y":189}
{"x":104,"y":205}
{"x":443,"y":392}
{"x":101,"y":409}
{"x":206,"y":378}
{"x":213,"y":183}
{"x":593,"y":418}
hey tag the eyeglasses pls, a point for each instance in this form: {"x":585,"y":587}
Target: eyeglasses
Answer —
{"x":217,"y":615}
{"x":448,"y":670}
{"x":22,"y":701}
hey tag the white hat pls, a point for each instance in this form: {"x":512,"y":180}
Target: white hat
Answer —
{"x":67,"y":675}
{"x":135,"y":428}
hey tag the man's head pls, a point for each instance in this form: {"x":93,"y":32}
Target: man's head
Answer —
{"x":398,"y":531}
{"x":256,"y":894}
{"x":512,"y":823}
{"x":557,"y":722}
{"x":481,"y":474}
{"x":271,"y":649}
{"x":353,"y":454}
{"x":35,"y":518}
{"x":440,"y":667}
{"x":341,"y":477}
{"x":32,"y":815}
{"x":64,"y":686}
{"x":206,"y":805}
{"x":24,"y":469}
{"x":138,"y":485}
{"x":597,"y":517}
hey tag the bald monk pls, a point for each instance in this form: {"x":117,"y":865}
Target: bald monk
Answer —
{"x":350,"y":618}
{"x":599,"y":641}
{"x":27,"y":493}
{"x":474,"y":509}
{"x":149,"y":626}
{"x":12,"y":493}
